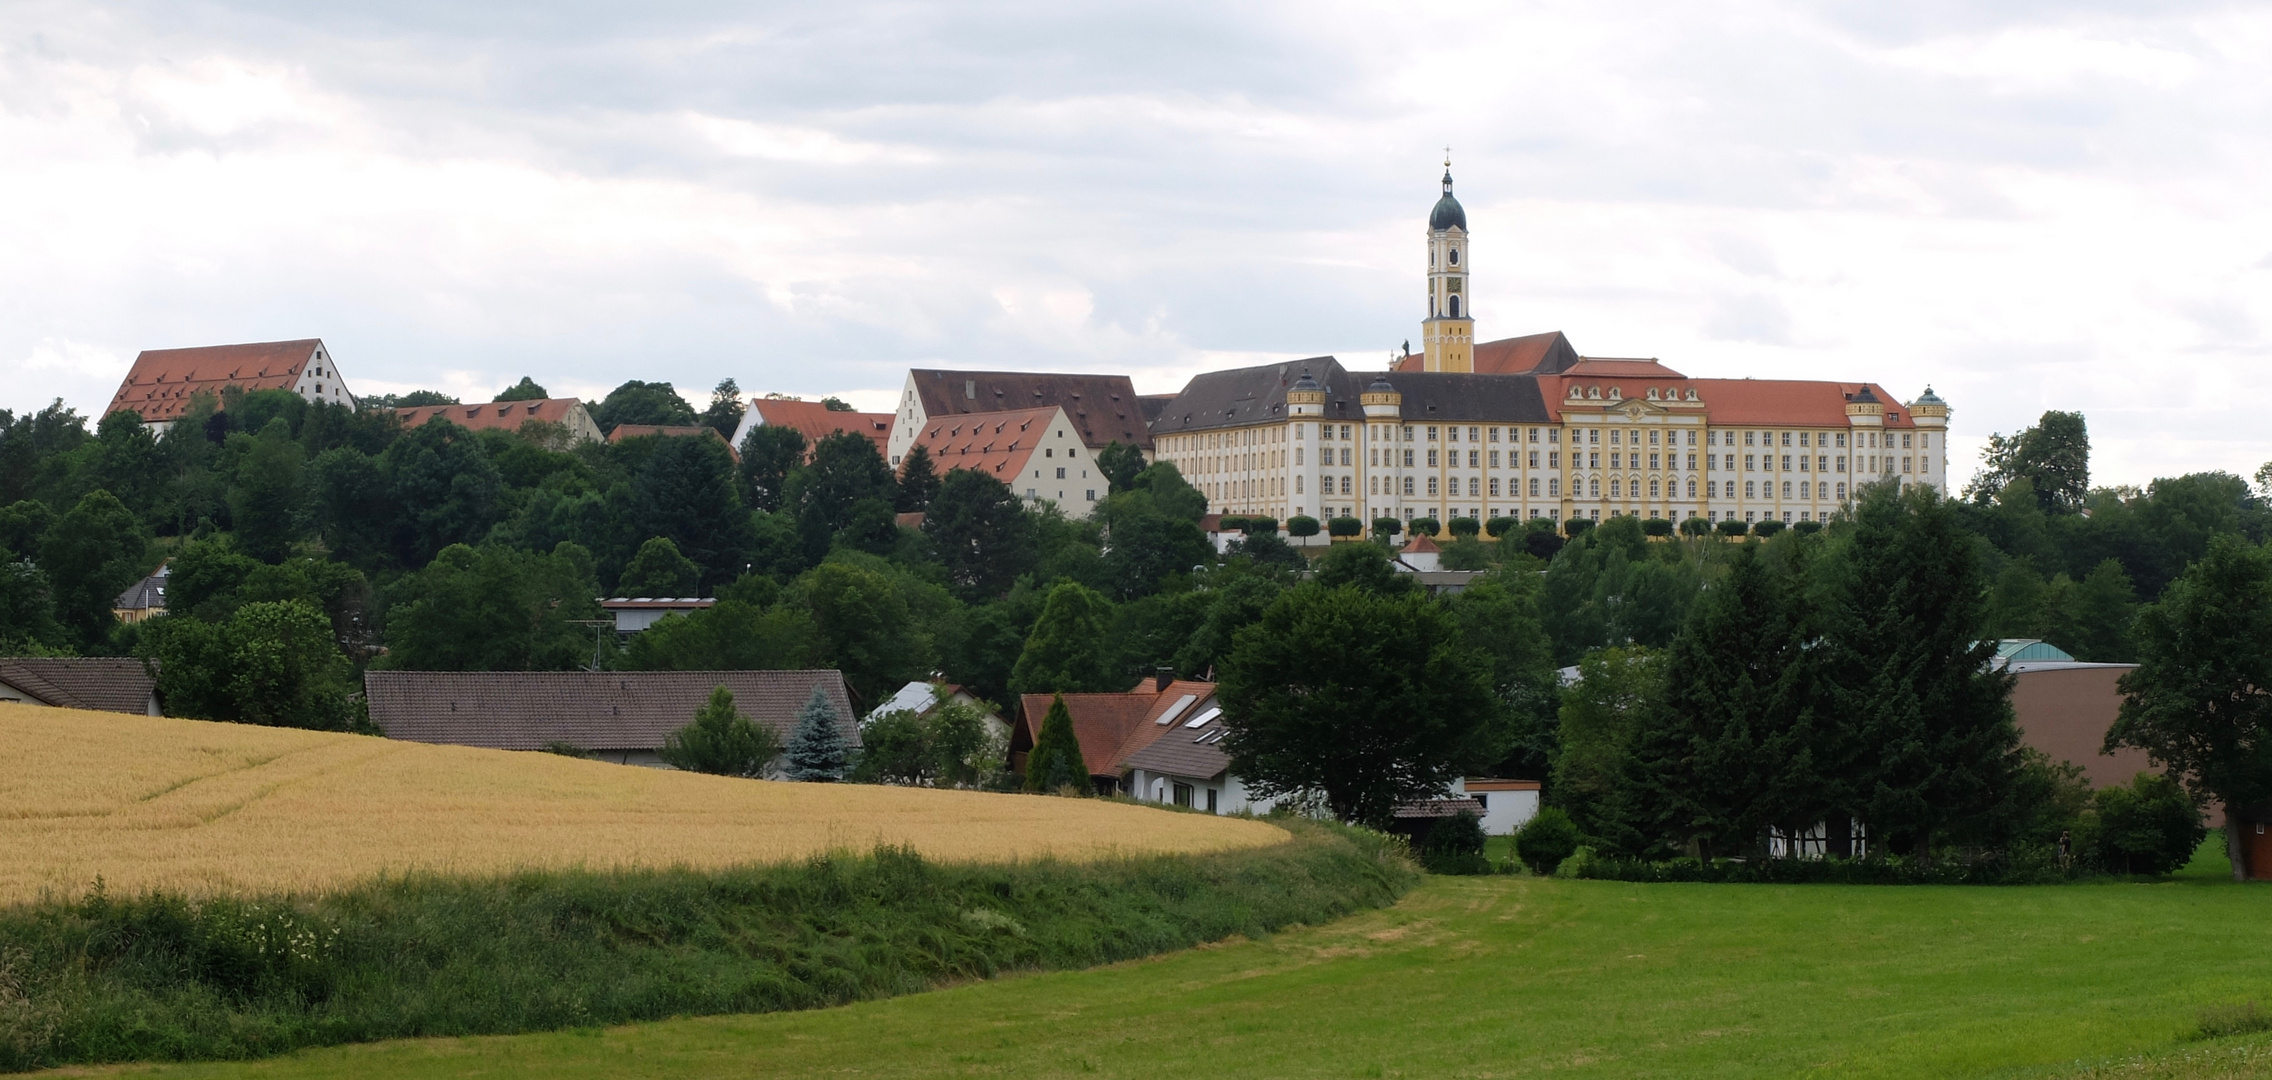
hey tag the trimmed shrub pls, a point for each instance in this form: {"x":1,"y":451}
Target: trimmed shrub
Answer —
{"x":1387,"y":526}
{"x":1464,"y":526}
{"x":1301,"y":526}
{"x":1767,"y":528}
{"x":1231,"y":523}
{"x":1426,"y":527}
{"x":1455,"y":846}
{"x":2147,"y":826}
{"x":1546,"y":839}
{"x":1695,"y":526}
{"x":1657,"y":527}
{"x":1499,"y":526}
{"x":1731,"y":528}
{"x":1576,"y":527}
{"x":1344,"y":526}
{"x":1261,"y":526}
{"x":1807,"y":528}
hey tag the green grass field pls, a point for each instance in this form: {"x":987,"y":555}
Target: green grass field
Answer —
{"x":1484,"y":977}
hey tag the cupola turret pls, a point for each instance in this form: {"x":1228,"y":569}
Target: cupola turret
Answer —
{"x":1447,"y":335}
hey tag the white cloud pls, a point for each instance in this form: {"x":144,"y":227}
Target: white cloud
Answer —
{"x":2025,"y":210}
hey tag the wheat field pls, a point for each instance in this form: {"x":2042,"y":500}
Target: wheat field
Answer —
{"x":202,"y":808}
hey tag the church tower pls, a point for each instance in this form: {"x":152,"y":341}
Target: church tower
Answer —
{"x":1447,"y":335}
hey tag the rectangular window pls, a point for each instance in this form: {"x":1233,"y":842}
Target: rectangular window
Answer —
{"x":1904,"y":463}
{"x":1345,"y":455}
{"x":1692,"y":462}
{"x":1092,"y":494}
{"x":1747,"y":437}
{"x":1841,"y":438}
{"x":1553,"y":435}
{"x":1594,"y":459}
{"x":1614,"y":458}
{"x":1747,"y":462}
{"x":1841,"y":491}
{"x":1061,"y":472}
{"x":1408,"y":459}
{"x":1474,"y":486}
{"x":1786,"y":489}
{"x":1494,"y":434}
{"x":1613,"y":436}
{"x":1533,"y":459}
{"x":1534,"y":434}
{"x":1786,"y":463}
{"x":1471,"y":433}
{"x":1593,"y":435}
{"x":1841,"y":463}
{"x":1494,"y":487}
{"x":1905,"y":442}
{"x":1212,"y":793}
{"x":1553,"y":486}
{"x":1431,"y":433}
{"x":1554,"y":459}
{"x":1786,"y":438}
{"x":1653,"y":459}
{"x":1750,"y":489}
{"x":1408,"y":484}
{"x":1297,"y":455}
{"x":1431,"y":459}
{"x":1183,"y":794}
{"x":1431,"y":485}
{"x":1473,"y":459}
{"x":1298,"y":483}
{"x":1494,"y":455}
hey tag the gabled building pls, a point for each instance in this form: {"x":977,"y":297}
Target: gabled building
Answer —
{"x":1039,"y":453}
{"x":162,"y":381}
{"x":100,"y":683}
{"x":144,"y":598}
{"x":623,"y":432}
{"x":619,"y":716}
{"x":815,"y":422}
{"x":569,"y":413}
{"x":1111,"y":727}
{"x":1103,"y":409}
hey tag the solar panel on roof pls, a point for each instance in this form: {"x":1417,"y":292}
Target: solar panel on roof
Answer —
{"x":1176,"y":709}
{"x":1205,"y":715}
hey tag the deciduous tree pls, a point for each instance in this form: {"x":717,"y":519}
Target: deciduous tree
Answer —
{"x":721,"y":741}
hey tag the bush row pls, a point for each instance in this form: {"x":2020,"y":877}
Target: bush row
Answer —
{"x":165,"y":977}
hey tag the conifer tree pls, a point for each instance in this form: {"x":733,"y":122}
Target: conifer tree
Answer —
{"x":720,"y":741}
{"x":1917,"y":732}
{"x":1728,"y":752}
{"x":1068,"y":648}
{"x":918,"y":481}
{"x":1056,"y":761}
{"x":817,"y":749}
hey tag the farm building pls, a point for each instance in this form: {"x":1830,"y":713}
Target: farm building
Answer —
{"x":103,"y":683}
{"x":619,"y":716}
{"x":922,"y":697}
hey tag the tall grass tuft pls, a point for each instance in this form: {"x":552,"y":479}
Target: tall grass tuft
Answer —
{"x":2219,"y":1021}
{"x":161,"y":977}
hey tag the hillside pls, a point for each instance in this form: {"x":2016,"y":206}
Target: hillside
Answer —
{"x":202,"y":808}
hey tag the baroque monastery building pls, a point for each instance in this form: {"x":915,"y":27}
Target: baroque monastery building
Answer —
{"x":1526,"y":428}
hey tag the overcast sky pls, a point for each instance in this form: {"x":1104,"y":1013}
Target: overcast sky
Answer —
{"x":2026,"y":205}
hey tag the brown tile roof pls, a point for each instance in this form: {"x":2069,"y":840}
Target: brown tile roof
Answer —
{"x":1178,"y":749}
{"x":1104,"y":409}
{"x":1113,"y":727}
{"x":1424,"y":809}
{"x":996,"y":443}
{"x":509,"y":415}
{"x":1420,"y":545}
{"x":1635,"y":369}
{"x":816,"y":421}
{"x":161,"y":381}
{"x":1734,"y":402}
{"x":102,"y":683}
{"x":606,"y":710}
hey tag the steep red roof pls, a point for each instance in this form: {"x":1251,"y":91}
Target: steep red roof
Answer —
{"x":995,"y":443}
{"x":1531,"y":353}
{"x":509,"y":415}
{"x":1421,"y":545}
{"x":670,"y":431}
{"x":1104,"y":409}
{"x":816,"y":422}
{"x":161,"y":381}
{"x":1730,"y":402}
{"x":1110,"y":727}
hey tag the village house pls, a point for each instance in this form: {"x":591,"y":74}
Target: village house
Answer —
{"x":1101,"y":409}
{"x":635,"y":613}
{"x":618,"y":716}
{"x":922,"y":698}
{"x":1038,"y":453}
{"x":144,"y":598}
{"x":624,"y":432}
{"x":573,"y":419}
{"x":815,"y":421}
{"x":117,"y":684}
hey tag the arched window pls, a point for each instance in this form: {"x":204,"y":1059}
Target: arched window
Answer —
{"x":1652,"y":487}
{"x":1455,"y":307}
{"x":1692,"y":489}
{"x":1534,"y":485}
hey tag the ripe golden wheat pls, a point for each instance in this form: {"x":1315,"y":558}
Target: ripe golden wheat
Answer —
{"x":201,"y":808}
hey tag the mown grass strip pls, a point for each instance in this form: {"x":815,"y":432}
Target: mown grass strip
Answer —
{"x":159,"y":977}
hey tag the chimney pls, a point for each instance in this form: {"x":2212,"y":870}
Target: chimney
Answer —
{"x":1161,"y":677}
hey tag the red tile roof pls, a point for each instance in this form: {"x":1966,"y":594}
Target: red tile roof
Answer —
{"x":1421,"y":545}
{"x":1639,"y":369}
{"x":995,"y":443}
{"x":1547,"y":352}
{"x":1110,"y":727}
{"x":1734,"y":402}
{"x":816,"y":422}
{"x":161,"y":381}
{"x":508,"y":415}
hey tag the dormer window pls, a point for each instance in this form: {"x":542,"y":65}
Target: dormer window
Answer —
{"x":1692,"y":393}
{"x":1593,"y":393}
{"x":1615,"y":394}
{"x":1652,"y":393}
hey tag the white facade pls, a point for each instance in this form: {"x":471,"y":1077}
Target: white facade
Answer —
{"x":320,"y":379}
{"x":1508,"y":805}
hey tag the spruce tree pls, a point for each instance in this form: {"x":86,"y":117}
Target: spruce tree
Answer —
{"x":1916,"y":732}
{"x":1728,"y":752}
{"x":817,"y":748}
{"x":918,"y":481}
{"x":1056,"y":761}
